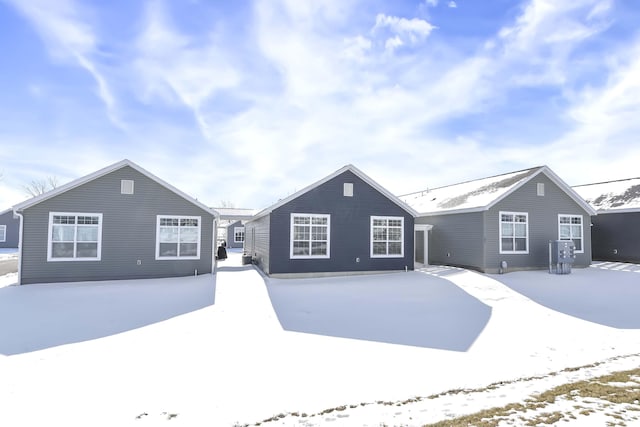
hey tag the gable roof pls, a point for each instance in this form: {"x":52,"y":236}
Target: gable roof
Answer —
{"x":622,"y":195}
{"x":105,"y":171}
{"x":482,"y":194}
{"x":357,"y":172}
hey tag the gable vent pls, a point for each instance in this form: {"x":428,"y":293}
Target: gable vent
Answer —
{"x":348,"y":189}
{"x":541,"y":189}
{"x":126,"y":186}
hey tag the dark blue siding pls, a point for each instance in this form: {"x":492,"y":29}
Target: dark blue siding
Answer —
{"x":616,"y":237}
{"x":349,"y":233}
{"x":12,"y":231}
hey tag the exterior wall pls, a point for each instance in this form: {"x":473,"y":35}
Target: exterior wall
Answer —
{"x":350,"y":229}
{"x":12,"y":231}
{"x":456,"y":239}
{"x":543,"y":214}
{"x":256,"y":242}
{"x":128,"y":232}
{"x":616,"y":237}
{"x":231,"y":243}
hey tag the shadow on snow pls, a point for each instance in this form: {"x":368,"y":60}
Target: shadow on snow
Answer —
{"x":606,"y":297}
{"x":35,"y":317}
{"x":397,"y":308}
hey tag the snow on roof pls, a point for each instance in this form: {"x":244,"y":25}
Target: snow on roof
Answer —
{"x":475,"y":194}
{"x":612,"y":195}
{"x":234,"y":214}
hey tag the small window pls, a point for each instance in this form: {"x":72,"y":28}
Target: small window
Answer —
{"x":74,"y":237}
{"x":570,"y":228}
{"x":178,"y":237}
{"x":3,"y":233}
{"x":238,"y":234}
{"x":126,"y":186}
{"x":514,"y":233}
{"x":348,"y":189}
{"x":387,"y":237}
{"x":310,"y":235}
{"x":541,"y":189}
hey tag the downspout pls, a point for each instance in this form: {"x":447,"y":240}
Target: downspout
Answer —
{"x":214,"y":242}
{"x":20,"y":232}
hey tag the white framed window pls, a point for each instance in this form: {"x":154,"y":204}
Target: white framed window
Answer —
{"x":514,"y":233}
{"x":3,"y":233}
{"x":178,"y":237}
{"x":540,"y":189}
{"x":238,"y":234}
{"x":570,"y":228}
{"x":310,"y":236}
{"x":387,"y":237}
{"x":74,"y":236}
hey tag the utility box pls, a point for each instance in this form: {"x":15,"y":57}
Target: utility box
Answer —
{"x":562,"y":254}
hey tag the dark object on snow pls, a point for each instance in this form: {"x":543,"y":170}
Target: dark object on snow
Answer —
{"x":246,"y":259}
{"x":222,"y":252}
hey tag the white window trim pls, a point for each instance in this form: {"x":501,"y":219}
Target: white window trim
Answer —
{"x":328,"y":255}
{"x":514,"y":252}
{"x":177,"y":258}
{"x":581,"y":228}
{"x":371,"y":254}
{"x":235,"y":236}
{"x":50,"y":258}
{"x":3,"y":230}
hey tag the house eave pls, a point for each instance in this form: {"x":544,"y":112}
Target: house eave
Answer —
{"x":105,"y":171}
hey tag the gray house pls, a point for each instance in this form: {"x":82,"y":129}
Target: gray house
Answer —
{"x":120,"y":222}
{"x":9,"y":229}
{"x":616,"y":229}
{"x":235,"y":235}
{"x":345,"y":223}
{"x":511,"y":218}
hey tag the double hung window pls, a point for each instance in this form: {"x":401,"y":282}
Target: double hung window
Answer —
{"x":74,"y":237}
{"x":3,"y":233}
{"x":310,"y":236}
{"x":178,"y":237}
{"x":514,"y":232}
{"x":387,"y":237}
{"x":570,"y":228}
{"x":238,"y":234}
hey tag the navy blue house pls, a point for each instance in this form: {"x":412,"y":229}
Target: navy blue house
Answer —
{"x":9,"y":229}
{"x":345,"y":223}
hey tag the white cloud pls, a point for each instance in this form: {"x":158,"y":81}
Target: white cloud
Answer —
{"x":452,"y":4}
{"x":412,"y":30}
{"x":62,"y":26}
{"x":431,"y":3}
{"x":171,"y":65}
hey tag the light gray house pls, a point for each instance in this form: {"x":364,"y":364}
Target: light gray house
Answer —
{"x":506,"y":218}
{"x":9,"y":229}
{"x":235,"y":235}
{"x":120,"y":222}
{"x":345,"y":223}
{"x":616,"y":229}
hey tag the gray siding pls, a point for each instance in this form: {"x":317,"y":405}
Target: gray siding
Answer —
{"x":616,"y":237}
{"x":12,"y":231}
{"x":543,"y":225}
{"x":128,"y":232}
{"x":456,"y":239}
{"x":256,"y":244}
{"x":349,"y":232}
{"x":231,"y":229}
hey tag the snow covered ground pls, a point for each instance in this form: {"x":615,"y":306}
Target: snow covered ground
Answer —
{"x":8,"y":253}
{"x":368,"y":350}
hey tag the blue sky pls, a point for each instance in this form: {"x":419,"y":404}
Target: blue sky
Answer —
{"x":248,"y":101}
